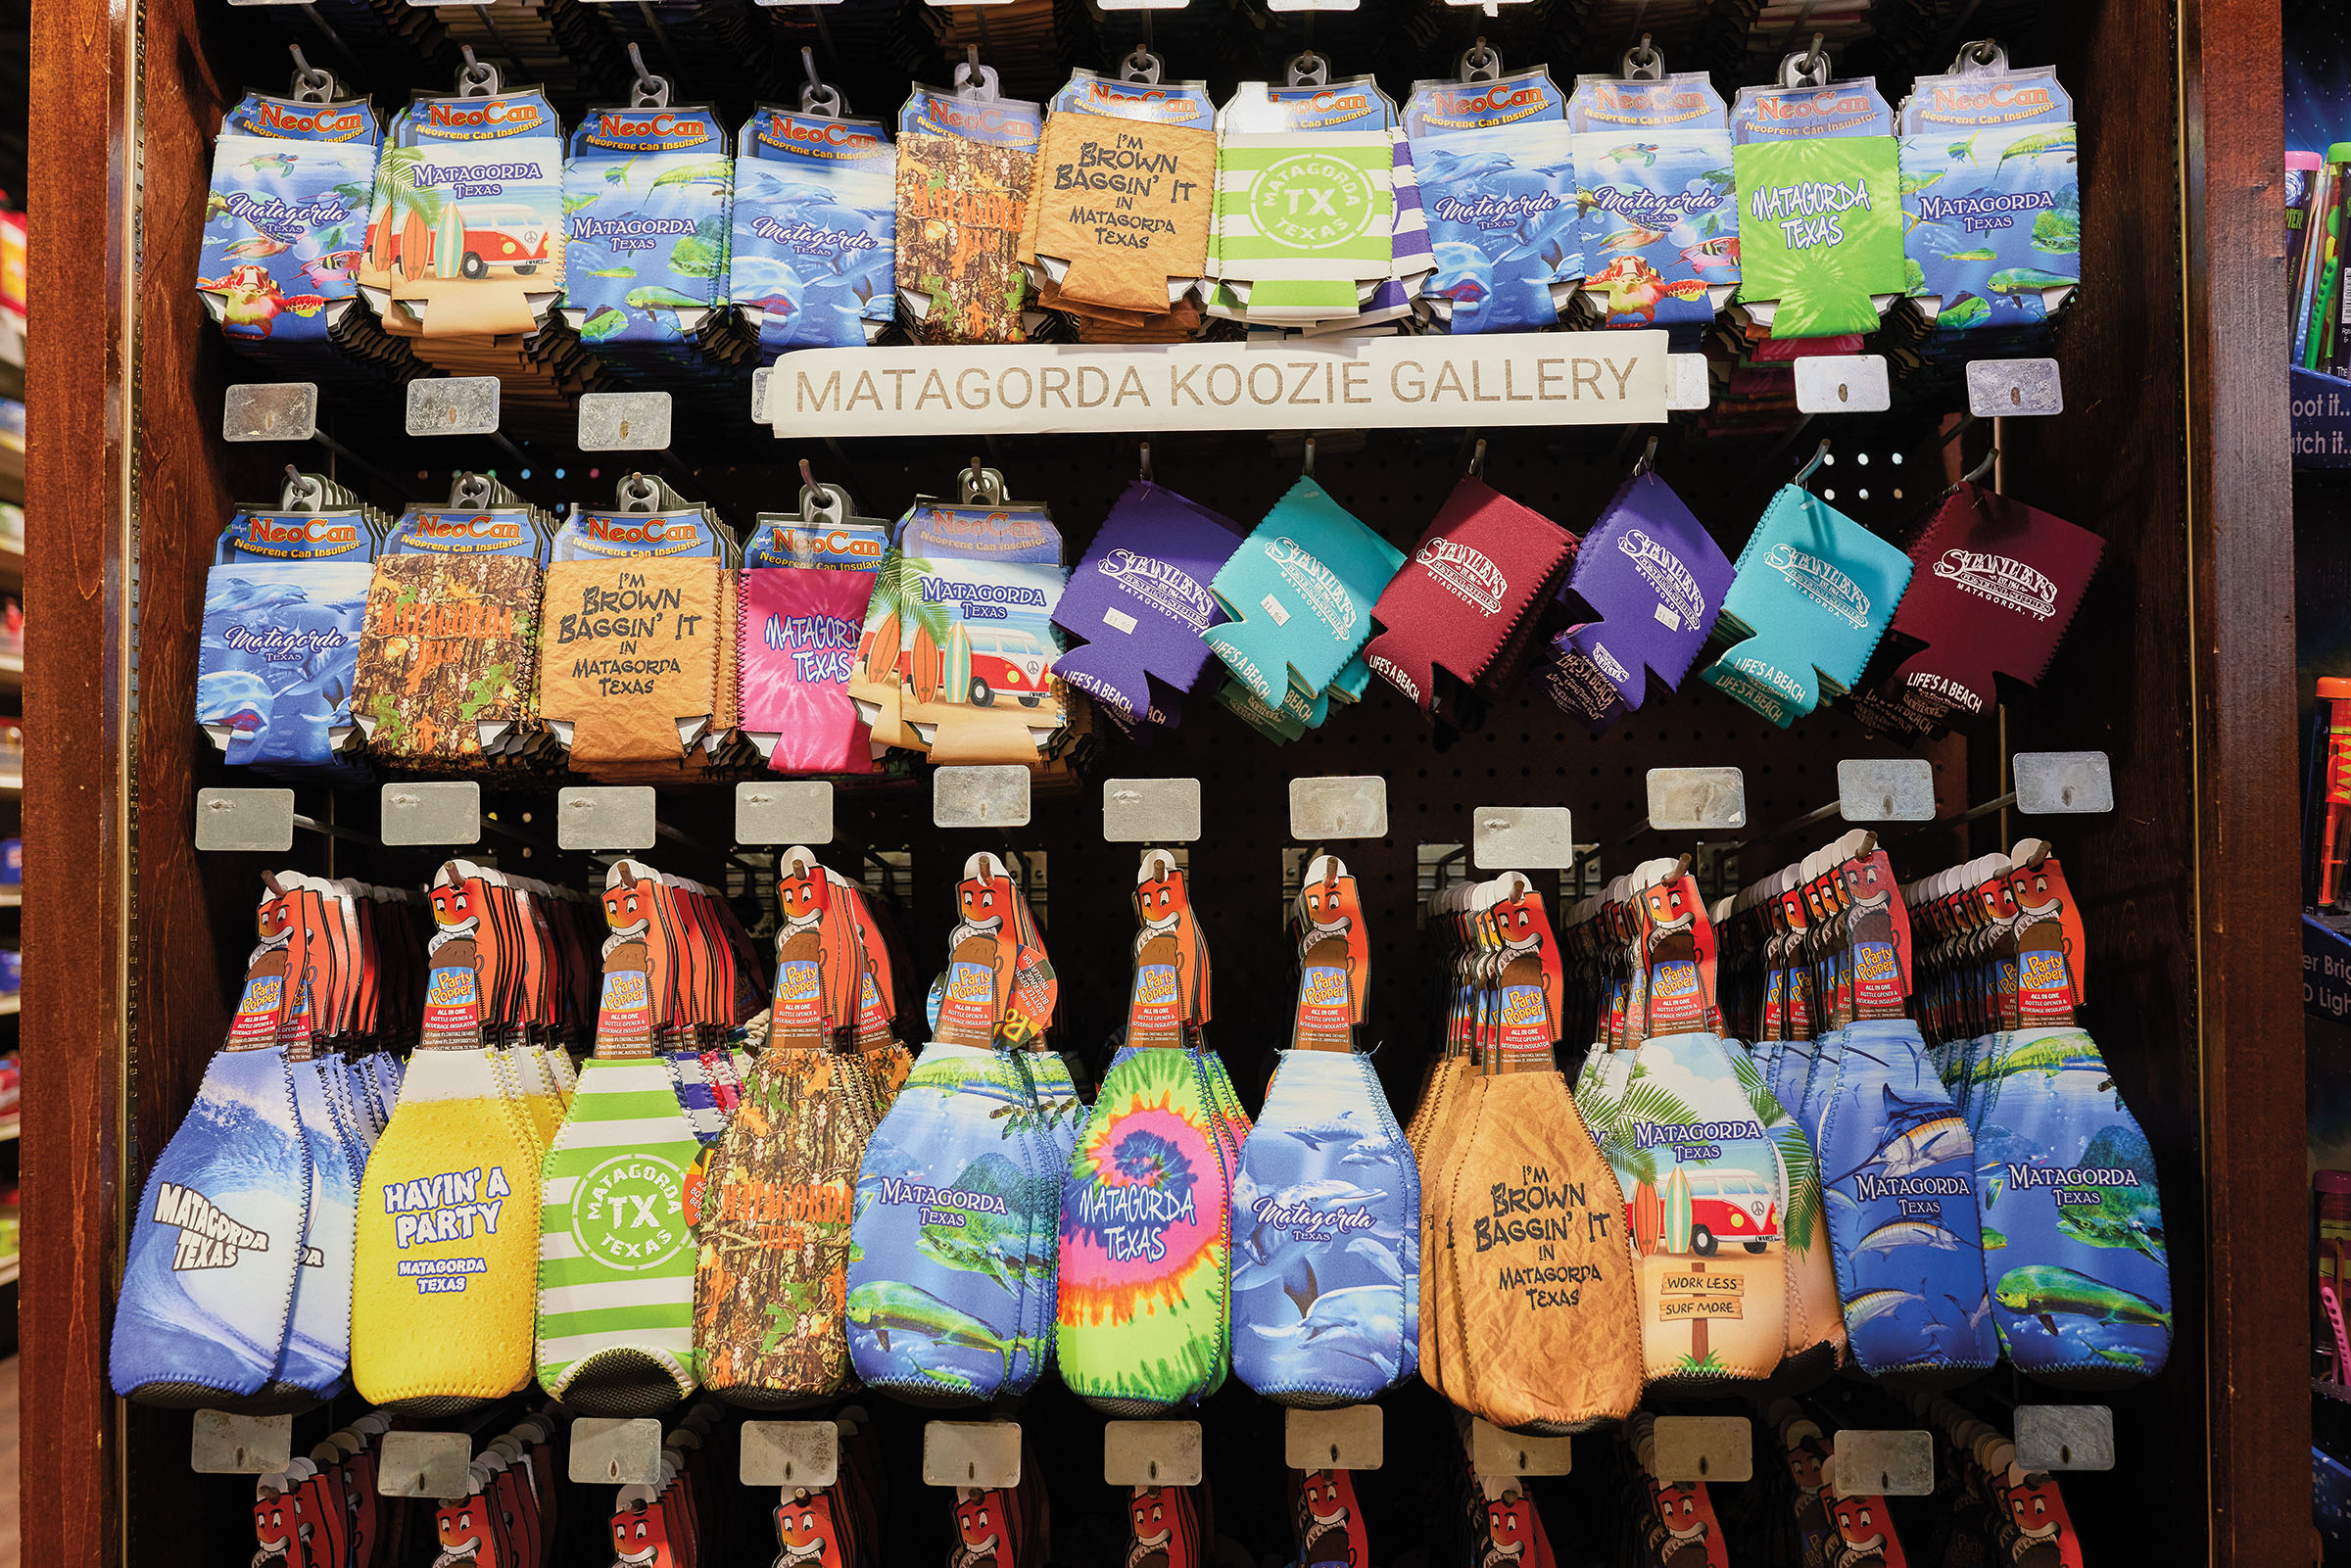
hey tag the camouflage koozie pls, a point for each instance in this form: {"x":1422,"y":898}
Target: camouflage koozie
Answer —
{"x":960,"y":210}
{"x":775,"y":1231}
{"x":447,"y":650}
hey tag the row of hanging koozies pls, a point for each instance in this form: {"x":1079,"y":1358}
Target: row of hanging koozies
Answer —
{"x":644,"y":641}
{"x":679,"y":253}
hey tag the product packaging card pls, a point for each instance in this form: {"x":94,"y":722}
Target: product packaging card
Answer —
{"x":1651,"y":581}
{"x":1991,"y":196}
{"x":1301,"y":589}
{"x":798,"y":643}
{"x":283,"y":224}
{"x":465,"y":233}
{"x":1820,"y":204}
{"x":1494,"y":162}
{"x":1140,"y":601}
{"x":1661,"y":210}
{"x":647,"y":194}
{"x":1813,"y":595}
{"x":1465,"y":600}
{"x":282,"y":614}
{"x":815,"y":230}
{"x":1994,"y":585}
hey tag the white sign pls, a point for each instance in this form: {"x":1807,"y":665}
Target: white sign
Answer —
{"x":1548,"y":378}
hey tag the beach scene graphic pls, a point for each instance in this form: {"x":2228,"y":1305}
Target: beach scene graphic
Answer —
{"x":1325,"y":1237}
{"x":2073,"y":1225}
{"x":1704,"y":1201}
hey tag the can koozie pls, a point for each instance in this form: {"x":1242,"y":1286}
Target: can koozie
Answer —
{"x":1139,"y":601}
{"x":1661,"y":214}
{"x":285,"y":217}
{"x":2073,"y":1224}
{"x":814,"y":258}
{"x":961,"y":205}
{"x":1303,"y":218}
{"x":1326,"y":1255}
{"x":1819,"y":181}
{"x":1898,"y":1169}
{"x":1301,"y":589}
{"x":448,"y":654}
{"x":647,"y":191}
{"x":317,"y":1351}
{"x":283,"y":608}
{"x":1495,"y":164}
{"x":629,"y":655}
{"x":798,"y":643}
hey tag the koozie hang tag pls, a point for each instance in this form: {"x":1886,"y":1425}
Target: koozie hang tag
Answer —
{"x":1820,"y":202}
{"x":217,"y":1241}
{"x":814,"y":256}
{"x":616,"y":1259}
{"x":1301,"y":589}
{"x":283,"y":608}
{"x":807,"y":583}
{"x":1814,"y":594}
{"x":1994,"y":587}
{"x":1661,"y":214}
{"x":1139,"y":601}
{"x":1991,"y":196}
{"x":1461,"y":603}
{"x":451,"y":1192}
{"x":951,"y":1236}
{"x":965,"y":162}
{"x":1145,"y":1252}
{"x":1325,"y":1207}
{"x":1494,"y":161}
{"x":774,"y":1224}
{"x":1328,"y":1521}
{"x":1652,"y":580}
{"x":647,"y":191}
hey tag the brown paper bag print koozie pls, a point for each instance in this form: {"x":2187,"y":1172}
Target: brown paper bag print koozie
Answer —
{"x":1539,"y":1331}
{"x":775,"y":1205}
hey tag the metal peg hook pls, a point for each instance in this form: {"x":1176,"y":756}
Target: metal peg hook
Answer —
{"x":1480,"y":62}
{"x":1649,"y":459}
{"x":1990,"y":457}
{"x":1805,"y":472}
{"x":1308,"y":469}
{"x":821,"y":502}
{"x":1644,"y":62}
{"x":1146,"y":463}
{"x":648,"y":91}
{"x":311,"y":85}
{"x":1478,"y":459}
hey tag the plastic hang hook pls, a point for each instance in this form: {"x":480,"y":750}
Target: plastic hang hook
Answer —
{"x":476,"y":78}
{"x":648,"y":91}
{"x":311,"y":83}
{"x":1808,"y":69}
{"x":817,"y":95}
{"x":1981,"y":56}
{"x":972,"y":80}
{"x":983,"y":486}
{"x":1307,"y":68}
{"x":821,"y":505}
{"x":1643,"y":61}
{"x":301,"y":491}
{"x":1480,"y":62}
{"x":1141,"y":67}
{"x":637,"y":493}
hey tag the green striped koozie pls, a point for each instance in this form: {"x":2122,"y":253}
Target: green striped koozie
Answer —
{"x":1302,"y":218}
{"x":617,"y":1261}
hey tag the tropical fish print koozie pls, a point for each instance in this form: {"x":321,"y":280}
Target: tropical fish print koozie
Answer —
{"x":1326,"y":1255}
{"x":1898,"y":1179}
{"x":2073,"y":1226}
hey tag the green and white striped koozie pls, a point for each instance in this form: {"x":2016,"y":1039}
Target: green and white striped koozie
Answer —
{"x":1302,"y":220}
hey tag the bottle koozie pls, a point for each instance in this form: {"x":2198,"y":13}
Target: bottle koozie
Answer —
{"x":1139,"y":599}
{"x":951,"y":1257}
{"x":1815,"y":1322}
{"x":445,"y":1264}
{"x":282,"y":610}
{"x":965,"y":159}
{"x":775,"y":1206}
{"x":1648,"y":583}
{"x":217,"y":1241}
{"x":317,"y":1353}
{"x":1814,"y":594}
{"x":1465,"y":601}
{"x":1660,"y":222}
{"x":1301,"y":589}
{"x":1897,"y":1175}
{"x":1993,"y":586}
{"x":616,"y":1258}
{"x":815,"y":230}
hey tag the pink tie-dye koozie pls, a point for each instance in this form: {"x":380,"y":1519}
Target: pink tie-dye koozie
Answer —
{"x":800,"y":639}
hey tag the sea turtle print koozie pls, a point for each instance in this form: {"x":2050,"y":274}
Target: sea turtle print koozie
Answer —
{"x":2073,"y":1226}
{"x":1897,"y":1177}
{"x":1326,"y":1255}
{"x":616,"y":1258}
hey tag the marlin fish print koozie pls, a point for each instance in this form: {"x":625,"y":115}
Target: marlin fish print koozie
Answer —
{"x":1899,"y":1182}
{"x":2073,"y":1228}
{"x":1326,"y":1237}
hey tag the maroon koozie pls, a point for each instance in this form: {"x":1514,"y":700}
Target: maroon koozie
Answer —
{"x":1993,"y":585}
{"x":1465,"y":604}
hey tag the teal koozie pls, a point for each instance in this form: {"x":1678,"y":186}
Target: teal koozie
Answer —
{"x":1301,"y":591}
{"x":1814,"y":592}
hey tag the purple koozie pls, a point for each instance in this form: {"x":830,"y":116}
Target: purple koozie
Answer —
{"x":1140,"y":599}
{"x":1652,"y":580}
